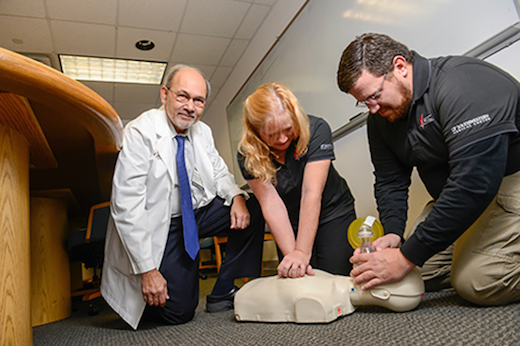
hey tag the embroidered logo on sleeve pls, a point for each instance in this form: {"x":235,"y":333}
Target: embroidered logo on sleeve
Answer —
{"x":326,"y":146}
{"x":470,"y":123}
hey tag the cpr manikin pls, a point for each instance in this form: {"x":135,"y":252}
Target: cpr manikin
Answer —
{"x":324,"y":297}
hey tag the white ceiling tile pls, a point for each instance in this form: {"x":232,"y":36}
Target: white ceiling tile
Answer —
{"x":266,"y":2}
{"x":234,"y":52}
{"x":220,"y":76}
{"x":136,"y":93}
{"x":91,"y":11}
{"x":131,"y":110}
{"x":196,"y":49}
{"x":252,"y":21}
{"x":207,"y":70}
{"x":103,"y":89}
{"x":152,"y":14}
{"x":96,"y":39}
{"x":127,"y":38}
{"x":213,"y":32}
{"x":215,"y":17}
{"x":28,"y":8}
{"x":214,"y":93}
{"x":18,"y":35}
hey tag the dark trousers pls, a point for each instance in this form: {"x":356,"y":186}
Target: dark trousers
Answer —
{"x":243,"y":258}
{"x":332,"y":251}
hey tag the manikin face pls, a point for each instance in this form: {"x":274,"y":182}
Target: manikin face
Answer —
{"x":278,"y":133}
{"x":395,"y":96}
{"x":189,"y":85}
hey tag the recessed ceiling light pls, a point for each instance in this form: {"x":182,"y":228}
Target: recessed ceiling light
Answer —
{"x":144,"y":45}
{"x":112,"y":70}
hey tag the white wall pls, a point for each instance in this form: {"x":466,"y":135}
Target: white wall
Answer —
{"x":307,"y":56}
{"x":215,"y":115}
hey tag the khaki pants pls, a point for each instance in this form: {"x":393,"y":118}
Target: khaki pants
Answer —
{"x":483,"y":265}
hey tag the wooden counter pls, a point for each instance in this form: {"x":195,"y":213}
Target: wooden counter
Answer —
{"x":55,"y":134}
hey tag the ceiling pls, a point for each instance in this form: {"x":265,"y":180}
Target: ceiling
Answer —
{"x":210,"y":34}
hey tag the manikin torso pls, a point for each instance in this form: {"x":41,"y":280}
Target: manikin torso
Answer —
{"x":324,"y":297}
{"x":321,"y":298}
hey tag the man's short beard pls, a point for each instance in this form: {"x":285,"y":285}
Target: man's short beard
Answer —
{"x":402,"y":110}
{"x":407,"y":100}
{"x":174,"y":120}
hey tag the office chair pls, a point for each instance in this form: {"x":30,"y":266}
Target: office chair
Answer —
{"x":88,"y":247}
{"x":208,"y":244}
{"x":217,"y":247}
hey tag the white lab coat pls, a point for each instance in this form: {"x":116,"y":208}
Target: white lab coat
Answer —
{"x":144,"y":179}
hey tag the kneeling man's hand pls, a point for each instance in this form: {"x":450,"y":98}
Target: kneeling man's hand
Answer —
{"x":155,"y":290}
{"x":380,"y":267}
{"x":239,"y":213}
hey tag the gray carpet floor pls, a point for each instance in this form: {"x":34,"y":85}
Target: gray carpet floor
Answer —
{"x":442,"y":318}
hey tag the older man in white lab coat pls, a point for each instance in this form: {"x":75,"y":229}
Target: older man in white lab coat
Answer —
{"x":145,"y":257}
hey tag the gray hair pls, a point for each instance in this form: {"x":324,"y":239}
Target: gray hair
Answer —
{"x":179,"y":67}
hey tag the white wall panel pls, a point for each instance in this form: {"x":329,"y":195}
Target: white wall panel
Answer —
{"x":307,"y":56}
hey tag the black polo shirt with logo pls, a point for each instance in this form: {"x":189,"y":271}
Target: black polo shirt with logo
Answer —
{"x":461,"y":133}
{"x":336,"y":199}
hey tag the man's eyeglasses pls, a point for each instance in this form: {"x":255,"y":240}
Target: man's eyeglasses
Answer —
{"x":372,"y":100}
{"x":184,"y":97}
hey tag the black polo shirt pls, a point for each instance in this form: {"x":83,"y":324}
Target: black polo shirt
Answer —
{"x":462,"y":135}
{"x":336,"y":199}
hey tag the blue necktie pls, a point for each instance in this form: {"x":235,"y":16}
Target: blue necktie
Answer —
{"x":189,"y":225}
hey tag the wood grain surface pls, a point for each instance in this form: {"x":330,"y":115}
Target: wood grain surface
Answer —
{"x":15,"y":311}
{"x":50,"y":272}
